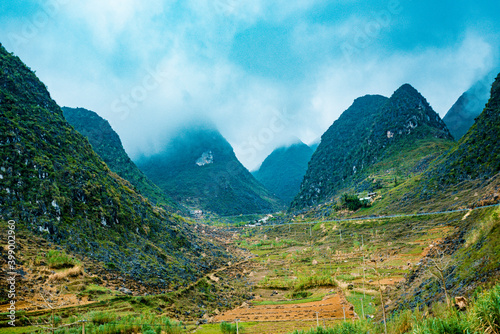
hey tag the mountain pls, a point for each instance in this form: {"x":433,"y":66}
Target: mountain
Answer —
{"x":107,"y":144}
{"x":469,"y":105}
{"x":477,"y":155}
{"x":199,"y":169}
{"x":466,"y":176}
{"x":55,"y":185}
{"x":338,"y":144}
{"x":314,"y":146}
{"x":376,"y":141}
{"x":283,"y":170}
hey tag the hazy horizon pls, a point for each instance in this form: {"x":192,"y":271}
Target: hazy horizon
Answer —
{"x":262,"y":72}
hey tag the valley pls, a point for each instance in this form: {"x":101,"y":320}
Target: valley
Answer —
{"x":289,"y":277}
{"x":392,"y":226}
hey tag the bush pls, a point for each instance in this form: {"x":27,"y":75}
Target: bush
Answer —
{"x":172,"y":327}
{"x":58,"y":260}
{"x":228,"y":328}
{"x":352,"y":202}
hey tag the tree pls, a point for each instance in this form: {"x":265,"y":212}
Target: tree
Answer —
{"x":438,"y":268}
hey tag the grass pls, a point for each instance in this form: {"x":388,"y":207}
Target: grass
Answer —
{"x":485,"y":314}
{"x":482,"y":316}
{"x":342,"y":328}
{"x":70,"y":272}
{"x":285,"y":302}
{"x":368,"y":307}
{"x":228,"y":328}
{"x":58,"y":260}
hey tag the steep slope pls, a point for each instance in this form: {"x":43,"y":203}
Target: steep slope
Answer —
{"x":283,"y":170}
{"x":199,"y":169}
{"x":55,"y":185}
{"x":107,"y":144}
{"x":327,"y":167}
{"x":467,"y":176}
{"x":469,"y":105}
{"x":477,"y":155}
{"x":374,"y":142}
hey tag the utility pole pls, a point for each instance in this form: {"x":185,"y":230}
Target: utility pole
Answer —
{"x":381,"y":298}
{"x":364,"y":277}
{"x":317,"y":319}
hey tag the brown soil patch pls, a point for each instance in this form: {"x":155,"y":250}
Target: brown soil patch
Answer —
{"x":328,"y":308}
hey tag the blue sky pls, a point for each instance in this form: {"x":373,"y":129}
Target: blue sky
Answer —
{"x":263,"y":71}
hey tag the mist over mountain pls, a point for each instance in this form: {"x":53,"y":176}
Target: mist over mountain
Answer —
{"x":477,"y":155}
{"x":283,"y":170}
{"x":375,"y":133}
{"x":107,"y":144}
{"x":55,"y":186}
{"x":199,"y":169}
{"x":469,"y":105}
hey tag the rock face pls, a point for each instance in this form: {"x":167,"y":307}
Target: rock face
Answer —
{"x":374,"y":129}
{"x":283,"y":170}
{"x":55,"y":185}
{"x":199,"y":169}
{"x":469,"y":105}
{"x":107,"y":144}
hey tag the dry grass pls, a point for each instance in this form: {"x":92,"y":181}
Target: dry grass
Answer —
{"x":71,"y":272}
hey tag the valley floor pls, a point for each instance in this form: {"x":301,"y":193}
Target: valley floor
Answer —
{"x":290,"y":277}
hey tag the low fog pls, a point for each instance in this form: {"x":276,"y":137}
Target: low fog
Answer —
{"x":263,"y":73}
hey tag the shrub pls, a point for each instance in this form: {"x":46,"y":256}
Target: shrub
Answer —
{"x":228,"y":328}
{"x":58,"y":260}
{"x":352,"y":202}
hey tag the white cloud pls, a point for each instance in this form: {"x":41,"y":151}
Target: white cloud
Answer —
{"x":78,"y":54}
{"x":441,"y":76}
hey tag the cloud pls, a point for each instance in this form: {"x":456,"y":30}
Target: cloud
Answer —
{"x":149,"y":66}
{"x":440,"y":74}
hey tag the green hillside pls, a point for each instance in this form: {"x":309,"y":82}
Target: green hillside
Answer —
{"x":283,"y":170}
{"x":107,"y":144}
{"x":478,"y":153}
{"x":376,"y":143}
{"x":55,"y":185}
{"x":199,"y":169}
{"x":332,"y":159}
{"x":469,"y":105}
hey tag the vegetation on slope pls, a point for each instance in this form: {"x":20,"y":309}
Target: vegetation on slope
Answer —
{"x":374,"y":133}
{"x":107,"y":144}
{"x":332,"y":160}
{"x":55,"y":185}
{"x":199,"y":169}
{"x":469,"y":105}
{"x":477,"y":155}
{"x":283,"y":170}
